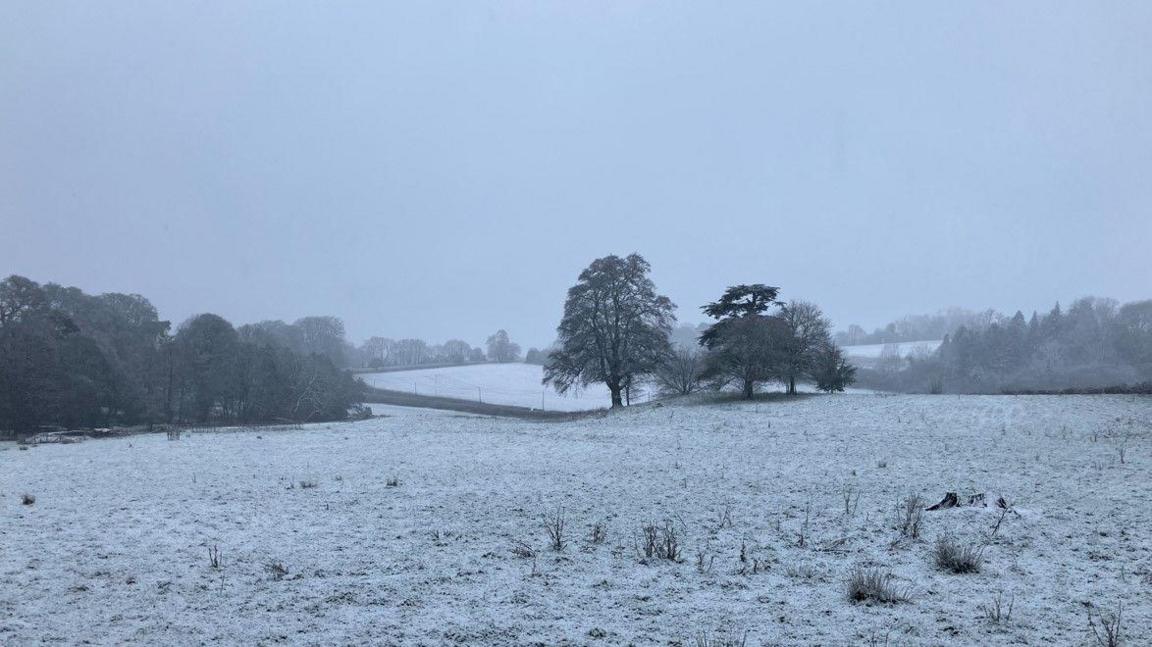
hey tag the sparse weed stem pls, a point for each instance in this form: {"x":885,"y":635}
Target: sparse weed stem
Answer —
{"x":802,"y":538}
{"x":523,"y":550}
{"x":555,"y":524}
{"x":909,"y":516}
{"x":599,"y":533}
{"x":1106,"y":628}
{"x":996,"y":612}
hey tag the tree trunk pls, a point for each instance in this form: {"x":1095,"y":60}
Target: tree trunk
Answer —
{"x":749,"y":385}
{"x":617,"y":402}
{"x":791,"y":385}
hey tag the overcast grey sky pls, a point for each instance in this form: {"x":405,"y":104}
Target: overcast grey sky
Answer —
{"x":446,"y":169}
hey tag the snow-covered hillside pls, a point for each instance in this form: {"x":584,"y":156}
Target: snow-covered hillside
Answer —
{"x":512,"y":384}
{"x":873,"y":351}
{"x":421,"y":527}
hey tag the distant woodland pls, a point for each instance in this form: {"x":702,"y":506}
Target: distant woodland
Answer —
{"x":1096,"y":344}
{"x":70,"y":359}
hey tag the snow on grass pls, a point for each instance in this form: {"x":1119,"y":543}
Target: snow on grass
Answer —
{"x":511,"y":384}
{"x":115,"y":549}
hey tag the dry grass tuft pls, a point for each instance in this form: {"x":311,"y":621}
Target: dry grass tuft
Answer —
{"x":953,"y":557}
{"x":874,"y":585}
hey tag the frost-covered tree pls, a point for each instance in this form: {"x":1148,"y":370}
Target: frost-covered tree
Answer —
{"x":536,"y":356}
{"x":455,"y":351}
{"x":501,"y":348}
{"x":614,"y":330}
{"x":809,"y":334}
{"x":322,"y":336}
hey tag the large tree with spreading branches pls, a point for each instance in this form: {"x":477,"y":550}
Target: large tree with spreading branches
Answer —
{"x":615,"y":328}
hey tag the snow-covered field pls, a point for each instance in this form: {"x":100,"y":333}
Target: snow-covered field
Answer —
{"x":873,"y":351}
{"x":115,"y":549}
{"x":512,"y":384}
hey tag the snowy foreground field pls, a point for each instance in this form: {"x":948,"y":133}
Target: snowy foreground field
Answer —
{"x":115,"y":549}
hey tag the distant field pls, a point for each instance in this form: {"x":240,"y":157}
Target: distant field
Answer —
{"x":872,"y":351}
{"x":510,"y":384}
{"x":513,"y":384}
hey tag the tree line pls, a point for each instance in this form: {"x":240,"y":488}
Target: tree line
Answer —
{"x":1095,"y":343}
{"x":70,"y":359}
{"x":929,"y":327}
{"x":383,"y":353}
{"x":617,"y":329}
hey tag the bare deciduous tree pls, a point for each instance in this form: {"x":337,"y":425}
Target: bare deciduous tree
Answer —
{"x":502,"y":349}
{"x":809,"y":332}
{"x":682,"y":373}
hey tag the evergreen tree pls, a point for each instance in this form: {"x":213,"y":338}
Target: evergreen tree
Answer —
{"x":744,"y":344}
{"x":831,"y":371}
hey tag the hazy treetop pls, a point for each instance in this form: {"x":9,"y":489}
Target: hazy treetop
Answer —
{"x":447,"y":169}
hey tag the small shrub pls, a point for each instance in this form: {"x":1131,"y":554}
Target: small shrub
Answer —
{"x":661,"y":542}
{"x":214,"y":556}
{"x":393,"y":481}
{"x":27,"y":499}
{"x":874,"y":585}
{"x":555,"y":527}
{"x":951,"y":556}
{"x":307,"y":485}
{"x":936,"y":386}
